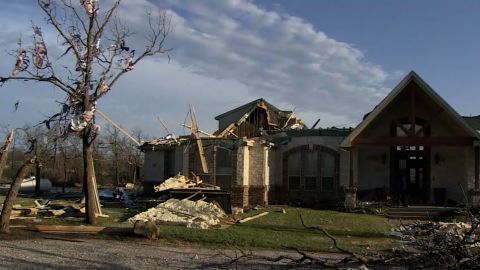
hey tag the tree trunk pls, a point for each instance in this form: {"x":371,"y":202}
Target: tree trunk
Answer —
{"x":12,"y":195}
{"x":89,"y":182}
{"x":4,"y":152}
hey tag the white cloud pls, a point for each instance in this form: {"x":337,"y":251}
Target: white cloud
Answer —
{"x":278,"y":56}
{"x":226,"y":53}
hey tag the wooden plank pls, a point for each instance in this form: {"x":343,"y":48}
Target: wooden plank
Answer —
{"x":196,"y":134}
{"x":253,"y":217}
{"x":110,"y":121}
{"x":414,"y":141}
{"x":350,"y":175}
{"x":65,"y":228}
{"x":193,"y":195}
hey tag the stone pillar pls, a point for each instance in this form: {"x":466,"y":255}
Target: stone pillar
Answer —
{"x":240,"y":188}
{"x":266,"y":173}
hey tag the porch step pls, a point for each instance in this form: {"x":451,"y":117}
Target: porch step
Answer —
{"x":419,"y":212}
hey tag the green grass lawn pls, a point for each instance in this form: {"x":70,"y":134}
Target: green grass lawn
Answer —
{"x":356,"y":232}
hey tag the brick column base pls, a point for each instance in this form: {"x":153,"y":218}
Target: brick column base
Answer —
{"x":239,"y":196}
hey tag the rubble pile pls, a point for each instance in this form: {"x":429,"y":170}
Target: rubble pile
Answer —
{"x":181,"y":182}
{"x":435,"y":244}
{"x":192,"y":214}
{"x":432,"y":233}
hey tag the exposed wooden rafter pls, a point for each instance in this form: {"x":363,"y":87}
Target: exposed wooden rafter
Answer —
{"x":196,"y":134}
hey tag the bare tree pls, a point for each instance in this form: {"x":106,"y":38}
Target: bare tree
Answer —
{"x":12,"y":194}
{"x":95,"y":39}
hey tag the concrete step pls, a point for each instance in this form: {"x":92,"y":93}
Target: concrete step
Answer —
{"x":419,"y":212}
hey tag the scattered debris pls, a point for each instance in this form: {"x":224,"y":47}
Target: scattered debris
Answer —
{"x":254,"y":217}
{"x":65,"y":229}
{"x":182,"y":182}
{"x":439,"y":244}
{"x":192,"y":214}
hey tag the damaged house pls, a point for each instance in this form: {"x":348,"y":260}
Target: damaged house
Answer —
{"x":260,"y":154}
{"x":412,"y":143}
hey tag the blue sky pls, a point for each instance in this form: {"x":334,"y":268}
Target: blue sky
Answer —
{"x":333,"y":60}
{"x":438,"y":39}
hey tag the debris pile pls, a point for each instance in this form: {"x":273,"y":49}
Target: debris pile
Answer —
{"x":169,"y":140}
{"x":48,"y":209}
{"x":192,"y":214}
{"x":441,"y":244}
{"x":431,"y":233}
{"x":181,"y":182}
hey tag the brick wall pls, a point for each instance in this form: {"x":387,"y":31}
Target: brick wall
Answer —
{"x":239,"y":196}
{"x":256,"y":195}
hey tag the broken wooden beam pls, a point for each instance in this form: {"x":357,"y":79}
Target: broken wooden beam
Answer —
{"x":65,"y":228}
{"x":253,"y":217}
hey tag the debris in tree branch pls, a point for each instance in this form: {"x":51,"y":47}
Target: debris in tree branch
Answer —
{"x":16,"y":105}
{"x":21,"y":64}
{"x":40,"y":54}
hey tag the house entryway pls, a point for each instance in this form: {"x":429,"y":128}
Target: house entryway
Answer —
{"x":409,"y":180}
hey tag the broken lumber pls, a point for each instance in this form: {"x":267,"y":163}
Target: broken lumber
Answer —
{"x":253,"y":217}
{"x":196,"y":134}
{"x":65,"y":229}
{"x":201,"y":131}
{"x":110,"y":121}
{"x":193,"y":195}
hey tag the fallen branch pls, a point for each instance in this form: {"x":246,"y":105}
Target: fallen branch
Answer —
{"x":334,"y":240}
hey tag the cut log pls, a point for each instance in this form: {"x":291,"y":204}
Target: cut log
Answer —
{"x":146,"y":229}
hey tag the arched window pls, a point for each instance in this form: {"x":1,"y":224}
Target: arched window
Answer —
{"x":405,"y":127}
{"x":311,"y":168}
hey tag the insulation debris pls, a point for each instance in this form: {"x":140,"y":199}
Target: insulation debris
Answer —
{"x":169,"y":140}
{"x":181,"y":182}
{"x":192,"y":214}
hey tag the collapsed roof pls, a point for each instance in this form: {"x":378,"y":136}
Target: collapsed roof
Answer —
{"x":251,"y":119}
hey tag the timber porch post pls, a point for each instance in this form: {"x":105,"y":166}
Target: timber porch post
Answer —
{"x":477,"y":177}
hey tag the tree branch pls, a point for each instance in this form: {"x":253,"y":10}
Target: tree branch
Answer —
{"x":46,"y":6}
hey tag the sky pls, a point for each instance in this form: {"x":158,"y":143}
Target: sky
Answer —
{"x":333,"y":60}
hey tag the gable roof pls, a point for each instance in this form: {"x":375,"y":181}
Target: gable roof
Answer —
{"x":412,"y":76}
{"x":248,"y":107}
{"x":473,"y":121}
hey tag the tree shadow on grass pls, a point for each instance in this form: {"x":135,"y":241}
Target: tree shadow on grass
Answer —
{"x":301,"y":230}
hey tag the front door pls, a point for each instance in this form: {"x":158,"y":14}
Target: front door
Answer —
{"x":409,"y":179}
